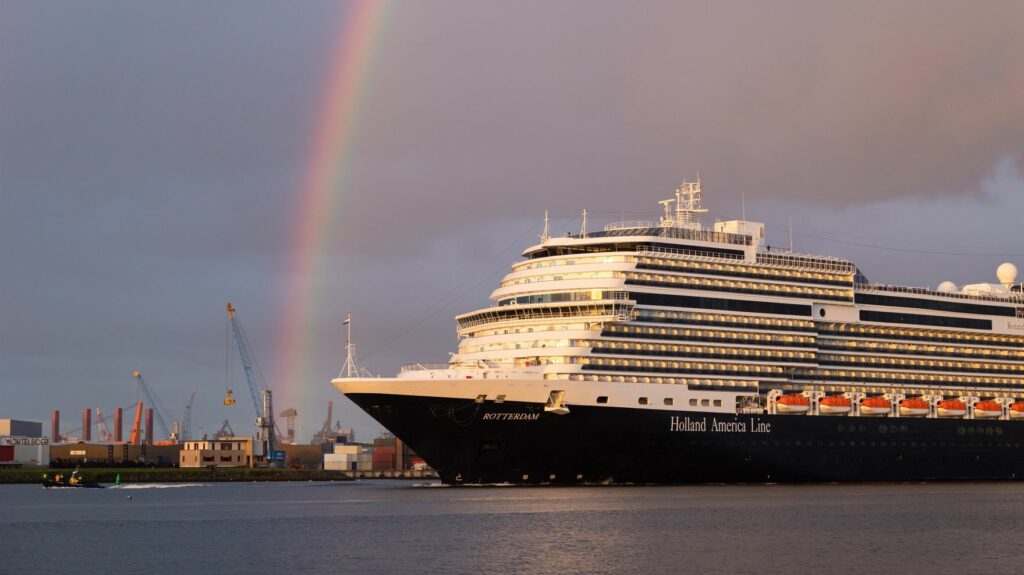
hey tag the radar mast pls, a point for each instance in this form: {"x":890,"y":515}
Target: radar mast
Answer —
{"x":688,"y":207}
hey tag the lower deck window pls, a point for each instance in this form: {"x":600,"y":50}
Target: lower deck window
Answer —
{"x":643,"y":401}
{"x":602,"y":399}
{"x":669,"y":401}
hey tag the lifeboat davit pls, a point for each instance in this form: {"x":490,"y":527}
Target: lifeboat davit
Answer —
{"x":874,"y":406}
{"x":1017,"y":410}
{"x":837,"y":405}
{"x":914,"y":407}
{"x":793,"y":403}
{"x":987,"y":409}
{"x":952,"y":408}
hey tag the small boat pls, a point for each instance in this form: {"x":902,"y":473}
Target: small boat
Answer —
{"x":58,"y":481}
{"x":876,"y":405}
{"x":952,"y":408}
{"x":1017,"y":410}
{"x":987,"y":409}
{"x":834,"y":405}
{"x":792,"y":403}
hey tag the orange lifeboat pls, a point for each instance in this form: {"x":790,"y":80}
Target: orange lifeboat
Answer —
{"x":835,"y":405}
{"x":952,"y":408}
{"x":792,"y":403}
{"x":1017,"y":410}
{"x":987,"y":409}
{"x":877,"y":405}
{"x":914,"y":407}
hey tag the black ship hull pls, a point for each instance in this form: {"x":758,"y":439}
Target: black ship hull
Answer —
{"x":521,"y":443}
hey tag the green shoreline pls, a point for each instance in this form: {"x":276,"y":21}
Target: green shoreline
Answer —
{"x":172,"y":474}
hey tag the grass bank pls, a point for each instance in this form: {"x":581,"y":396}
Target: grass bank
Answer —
{"x":173,"y":474}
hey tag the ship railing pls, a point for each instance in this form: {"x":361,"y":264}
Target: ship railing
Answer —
{"x":806,"y":262}
{"x":423,"y":366}
{"x":627,"y":225}
{"x":670,"y":232}
{"x":679,"y":253}
{"x":873,"y":287}
{"x":784,"y":260}
{"x":580,"y":297}
{"x":618,"y":309}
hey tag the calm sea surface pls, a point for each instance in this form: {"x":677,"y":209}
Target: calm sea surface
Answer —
{"x":401,"y":527}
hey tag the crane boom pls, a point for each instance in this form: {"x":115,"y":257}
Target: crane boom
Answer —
{"x":261,"y":396}
{"x":136,"y":438}
{"x":252,"y":375}
{"x":152,"y":401}
{"x":186,"y":432}
{"x":102,"y":424}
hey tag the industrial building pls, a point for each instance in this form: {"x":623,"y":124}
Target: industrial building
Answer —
{"x":16,"y":427}
{"x":22,"y":444}
{"x":225,"y":452}
{"x":116,"y":454}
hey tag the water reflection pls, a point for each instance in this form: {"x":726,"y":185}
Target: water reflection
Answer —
{"x":377,"y":527}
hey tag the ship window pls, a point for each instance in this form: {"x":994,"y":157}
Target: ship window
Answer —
{"x":704,"y":402}
{"x":643,"y":401}
{"x":718,"y":403}
{"x":693,"y":403}
{"x":602,"y":399}
{"x":669,"y":401}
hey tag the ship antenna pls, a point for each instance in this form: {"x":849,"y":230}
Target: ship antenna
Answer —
{"x":349,"y":369}
{"x":583,"y":228}
{"x":790,"y":234}
{"x":544,"y":236}
{"x":743,"y":205}
{"x":687,"y":210}
{"x":666,"y":220}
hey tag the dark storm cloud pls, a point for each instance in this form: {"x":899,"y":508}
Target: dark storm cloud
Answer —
{"x":152,"y":155}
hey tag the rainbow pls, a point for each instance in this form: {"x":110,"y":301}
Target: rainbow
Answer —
{"x":327,"y":173}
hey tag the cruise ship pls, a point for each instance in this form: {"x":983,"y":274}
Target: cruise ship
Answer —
{"x":670,"y":352}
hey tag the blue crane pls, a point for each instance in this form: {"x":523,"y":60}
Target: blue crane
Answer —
{"x":261,"y":397}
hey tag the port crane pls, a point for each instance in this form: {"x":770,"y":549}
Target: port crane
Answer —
{"x":151,"y":398}
{"x":136,"y":437}
{"x":224,"y":431}
{"x":325,"y":435}
{"x":262,"y":398}
{"x":289,"y":416}
{"x":104,"y":430}
{"x":101,"y":424}
{"x":186,"y":432}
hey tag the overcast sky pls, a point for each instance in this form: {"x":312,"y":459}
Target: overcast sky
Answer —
{"x":152,"y":156}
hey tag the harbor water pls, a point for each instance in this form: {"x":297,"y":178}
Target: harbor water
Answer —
{"x":402,"y":527}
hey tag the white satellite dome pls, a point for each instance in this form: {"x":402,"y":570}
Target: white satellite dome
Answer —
{"x":1007,"y":274}
{"x":947,"y":287}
